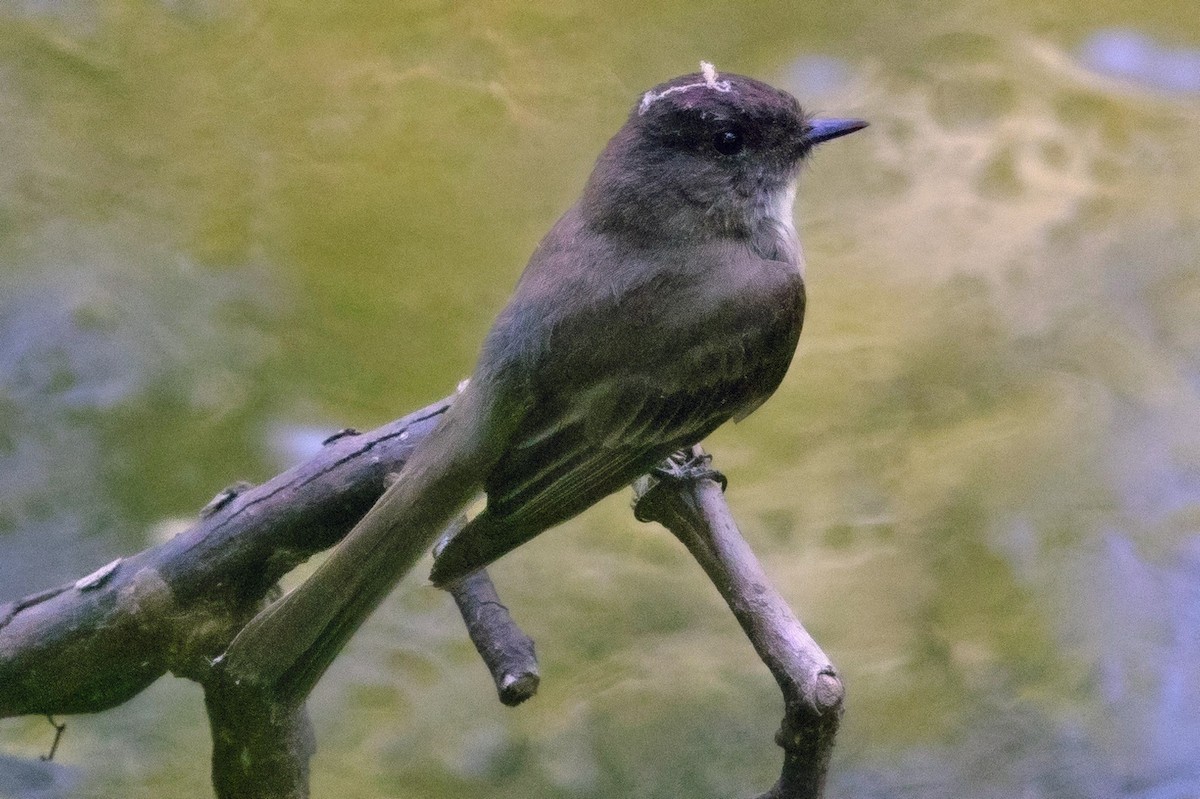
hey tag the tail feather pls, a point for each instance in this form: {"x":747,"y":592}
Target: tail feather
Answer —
{"x":293,"y":641}
{"x":482,"y":541}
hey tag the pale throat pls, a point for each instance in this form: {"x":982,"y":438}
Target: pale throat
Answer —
{"x":784,"y":210}
{"x":776,"y":219}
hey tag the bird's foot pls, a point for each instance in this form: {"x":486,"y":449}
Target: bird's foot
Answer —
{"x":685,"y":466}
{"x":689,"y":465}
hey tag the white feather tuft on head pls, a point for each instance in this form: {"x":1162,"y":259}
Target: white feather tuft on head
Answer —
{"x":707,"y":70}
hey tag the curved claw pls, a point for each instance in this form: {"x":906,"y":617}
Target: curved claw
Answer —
{"x":685,"y":466}
{"x":694,"y":464}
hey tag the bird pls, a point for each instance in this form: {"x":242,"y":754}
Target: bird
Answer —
{"x":667,"y":301}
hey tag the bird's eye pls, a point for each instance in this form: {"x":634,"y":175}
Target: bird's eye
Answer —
{"x":729,"y":141}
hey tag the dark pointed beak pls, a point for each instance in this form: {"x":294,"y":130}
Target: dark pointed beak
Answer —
{"x":820,"y":130}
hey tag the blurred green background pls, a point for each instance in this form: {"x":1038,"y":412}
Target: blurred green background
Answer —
{"x":228,"y":228}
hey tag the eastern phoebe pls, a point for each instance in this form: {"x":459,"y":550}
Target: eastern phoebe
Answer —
{"x":667,"y":301}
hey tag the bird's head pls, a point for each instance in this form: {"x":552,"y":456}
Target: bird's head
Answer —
{"x":705,"y":154}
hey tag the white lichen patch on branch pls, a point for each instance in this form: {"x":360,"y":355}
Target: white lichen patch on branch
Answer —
{"x":98,"y":577}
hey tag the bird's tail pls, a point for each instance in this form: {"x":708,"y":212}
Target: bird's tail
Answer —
{"x":291,"y":642}
{"x":483,"y":540}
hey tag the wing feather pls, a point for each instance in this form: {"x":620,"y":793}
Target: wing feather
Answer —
{"x":600,"y":416}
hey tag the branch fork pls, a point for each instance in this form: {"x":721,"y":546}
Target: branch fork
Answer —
{"x":97,"y":642}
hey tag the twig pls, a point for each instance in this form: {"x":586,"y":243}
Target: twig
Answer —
{"x":504,"y":647}
{"x":59,"y":729}
{"x":694,"y":510}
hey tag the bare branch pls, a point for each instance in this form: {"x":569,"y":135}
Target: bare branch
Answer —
{"x":504,"y":647}
{"x":96,"y":643}
{"x":261,"y":746}
{"x":691,"y":504}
